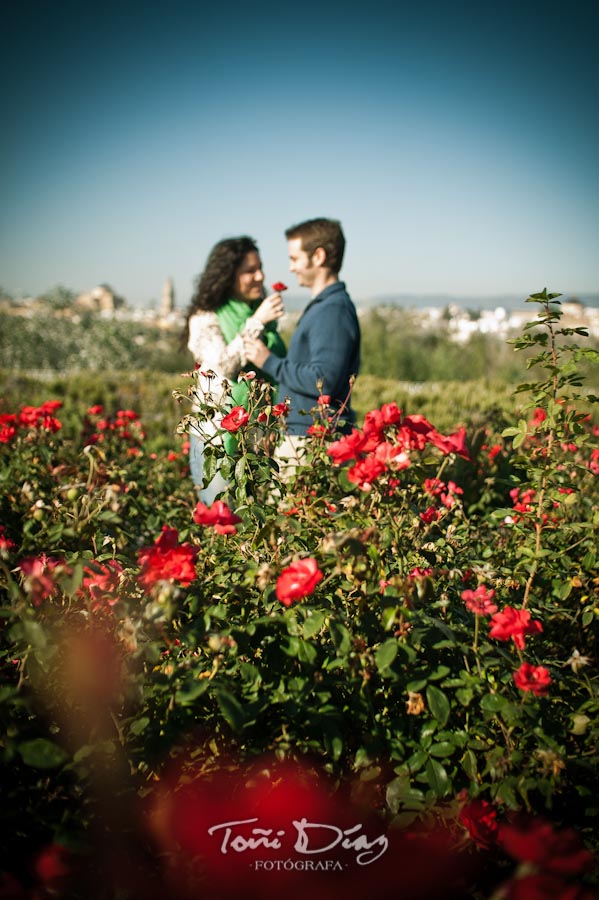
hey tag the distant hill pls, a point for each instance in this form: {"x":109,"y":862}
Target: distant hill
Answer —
{"x":294,"y":302}
{"x":421,"y":301}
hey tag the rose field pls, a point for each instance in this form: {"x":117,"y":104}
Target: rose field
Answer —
{"x":377,"y":677}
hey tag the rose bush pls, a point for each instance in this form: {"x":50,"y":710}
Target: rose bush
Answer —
{"x":412,"y":617}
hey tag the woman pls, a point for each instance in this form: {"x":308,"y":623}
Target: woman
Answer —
{"x":227,"y":306}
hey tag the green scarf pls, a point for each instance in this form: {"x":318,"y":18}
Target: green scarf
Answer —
{"x":232,"y":316}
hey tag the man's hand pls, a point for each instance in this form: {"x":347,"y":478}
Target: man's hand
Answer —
{"x":255,"y":351}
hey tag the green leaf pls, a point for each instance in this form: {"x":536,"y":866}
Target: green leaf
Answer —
{"x":417,"y":760}
{"x":442,"y":750}
{"x":464,"y":696}
{"x":470,"y":764}
{"x":191,"y":690}
{"x":231,"y":709}
{"x":388,"y":617}
{"x":440,"y":672}
{"x":386,"y":654}
{"x":401,"y":795}
{"x":505,"y":794}
{"x":437,"y":777}
{"x":438,"y":703}
{"x":341,"y":637}
{"x":139,"y":725}
{"x":307,"y":653}
{"x":313,"y":623}
{"x":42,"y":754}
{"x":588,"y":616}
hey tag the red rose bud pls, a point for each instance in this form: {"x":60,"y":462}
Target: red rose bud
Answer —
{"x":278,"y":286}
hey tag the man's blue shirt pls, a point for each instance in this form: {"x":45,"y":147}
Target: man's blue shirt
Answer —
{"x":324,"y":349}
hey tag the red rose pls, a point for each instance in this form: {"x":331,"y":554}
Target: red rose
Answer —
{"x":480,"y":820}
{"x":236,"y":419}
{"x":392,"y":455}
{"x":453,"y":443}
{"x":280,"y":409}
{"x":348,"y":447}
{"x":374,"y":423}
{"x":278,"y":286}
{"x":297,"y":581}
{"x":102,"y":582}
{"x":52,"y":863}
{"x":430,"y":515}
{"x":479,"y":601}
{"x":167,"y":560}
{"x":39,"y":575}
{"x":365,"y":472}
{"x":391,"y":413}
{"x":532,"y":678}
{"x":6,"y":545}
{"x":219,"y":516}
{"x":515,"y":624}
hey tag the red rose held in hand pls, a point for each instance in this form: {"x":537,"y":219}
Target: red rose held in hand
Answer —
{"x":278,"y":286}
{"x":298,"y":580}
{"x":237,"y":418}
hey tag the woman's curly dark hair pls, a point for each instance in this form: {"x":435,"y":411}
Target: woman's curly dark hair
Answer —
{"x":214,"y":285}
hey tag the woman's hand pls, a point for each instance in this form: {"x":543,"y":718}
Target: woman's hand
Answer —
{"x":255,"y":351}
{"x":270,"y":309}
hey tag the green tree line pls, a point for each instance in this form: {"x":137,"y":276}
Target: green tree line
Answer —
{"x":395,"y":345}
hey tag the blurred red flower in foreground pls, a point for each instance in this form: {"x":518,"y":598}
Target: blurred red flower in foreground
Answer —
{"x":536,"y":841}
{"x":219,"y":516}
{"x":167,"y":560}
{"x":280,"y":830}
{"x":52,"y":863}
{"x":297,"y":581}
{"x":278,"y":286}
{"x":236,"y":419}
{"x":545,"y":887}
{"x":532,"y":678}
{"x":479,"y":817}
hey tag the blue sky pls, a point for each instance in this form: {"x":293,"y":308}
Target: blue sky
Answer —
{"x":458,"y":143}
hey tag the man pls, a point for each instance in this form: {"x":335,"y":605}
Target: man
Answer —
{"x":324,"y":352}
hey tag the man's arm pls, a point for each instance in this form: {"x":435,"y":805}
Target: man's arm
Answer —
{"x":332,"y":341}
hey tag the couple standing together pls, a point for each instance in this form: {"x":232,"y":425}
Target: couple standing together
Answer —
{"x":230,"y":325}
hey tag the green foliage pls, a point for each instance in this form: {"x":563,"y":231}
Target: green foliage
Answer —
{"x":54,"y":344}
{"x":58,"y":297}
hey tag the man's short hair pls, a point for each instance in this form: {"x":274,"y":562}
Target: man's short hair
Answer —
{"x":325,"y":233}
